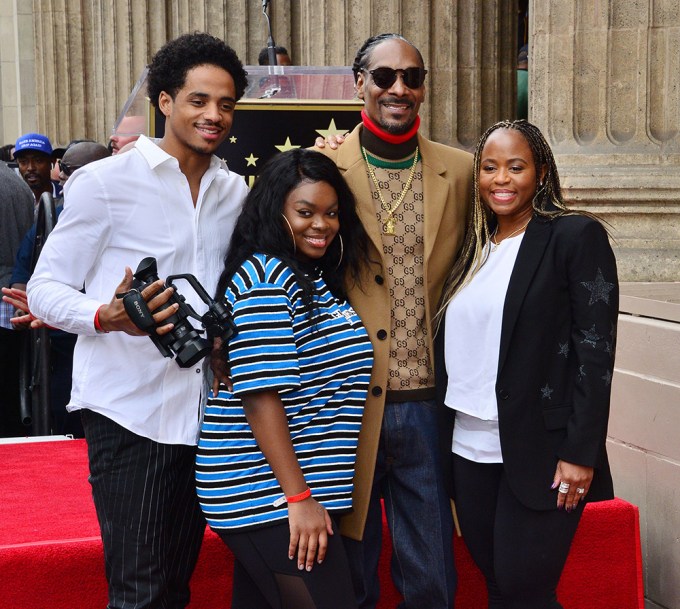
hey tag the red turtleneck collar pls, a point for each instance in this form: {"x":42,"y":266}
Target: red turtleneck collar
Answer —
{"x":389,"y":137}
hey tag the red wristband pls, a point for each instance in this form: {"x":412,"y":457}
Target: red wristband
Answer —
{"x":300,"y":496}
{"x":97,"y":325}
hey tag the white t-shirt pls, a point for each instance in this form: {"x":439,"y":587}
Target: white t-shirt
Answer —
{"x":472,"y":344}
{"x":118,"y":211}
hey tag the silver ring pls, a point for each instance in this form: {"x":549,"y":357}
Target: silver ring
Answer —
{"x":564,"y":487}
{"x":580,"y":491}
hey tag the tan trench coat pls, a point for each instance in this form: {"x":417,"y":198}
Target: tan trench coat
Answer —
{"x":447,"y":185}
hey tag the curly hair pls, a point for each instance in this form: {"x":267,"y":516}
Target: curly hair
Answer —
{"x":261,"y":229}
{"x":547,"y":203}
{"x":169,"y":66}
{"x":363,"y":56}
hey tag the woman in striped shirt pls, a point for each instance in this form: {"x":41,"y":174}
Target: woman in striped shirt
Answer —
{"x":277,"y":449}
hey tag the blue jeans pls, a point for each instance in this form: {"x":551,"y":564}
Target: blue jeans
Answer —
{"x":408,"y":476}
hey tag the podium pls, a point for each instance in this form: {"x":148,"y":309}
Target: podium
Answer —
{"x":287,"y":107}
{"x":283,"y":107}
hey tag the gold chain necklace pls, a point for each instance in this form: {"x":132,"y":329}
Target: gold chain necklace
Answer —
{"x":388,"y":226}
{"x":495,"y":244}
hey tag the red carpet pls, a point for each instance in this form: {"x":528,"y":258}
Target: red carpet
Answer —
{"x":50,"y":551}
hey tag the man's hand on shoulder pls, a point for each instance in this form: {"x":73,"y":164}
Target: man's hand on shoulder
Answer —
{"x":113,"y":317}
{"x":333,"y":141}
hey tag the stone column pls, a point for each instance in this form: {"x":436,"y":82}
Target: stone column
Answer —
{"x":88,"y":55}
{"x":481,"y":72}
{"x":604,"y":81}
{"x":469,"y":49}
{"x":17,"y":67}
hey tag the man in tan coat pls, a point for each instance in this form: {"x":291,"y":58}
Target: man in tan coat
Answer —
{"x":412,"y":197}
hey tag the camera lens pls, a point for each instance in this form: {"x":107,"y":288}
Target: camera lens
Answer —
{"x":192,"y":352}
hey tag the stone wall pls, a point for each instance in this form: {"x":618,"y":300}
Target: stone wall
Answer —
{"x":605,"y":89}
{"x":643,"y":429}
{"x":17,"y":70}
{"x":88,"y":55}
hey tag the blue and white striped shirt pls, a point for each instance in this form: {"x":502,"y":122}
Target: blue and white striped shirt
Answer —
{"x":320,"y":364}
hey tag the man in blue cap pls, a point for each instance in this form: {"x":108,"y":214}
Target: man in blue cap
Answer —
{"x":33,"y":153}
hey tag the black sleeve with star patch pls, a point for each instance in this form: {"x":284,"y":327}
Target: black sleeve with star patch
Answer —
{"x":594,"y":300}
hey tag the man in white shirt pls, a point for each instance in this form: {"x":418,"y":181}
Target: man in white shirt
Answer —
{"x":177,"y":202}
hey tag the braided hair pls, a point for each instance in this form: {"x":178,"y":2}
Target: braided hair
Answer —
{"x":363,"y":55}
{"x":547,"y":203}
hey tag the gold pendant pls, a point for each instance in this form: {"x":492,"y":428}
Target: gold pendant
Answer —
{"x":389,"y":226}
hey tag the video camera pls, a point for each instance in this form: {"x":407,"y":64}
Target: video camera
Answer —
{"x":184,"y":339}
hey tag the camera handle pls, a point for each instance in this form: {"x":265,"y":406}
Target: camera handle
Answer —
{"x":140,"y":315}
{"x":137,"y":310}
{"x":198,"y":288}
{"x":217,"y":322}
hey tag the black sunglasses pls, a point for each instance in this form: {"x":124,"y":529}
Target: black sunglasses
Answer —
{"x":68,"y":169}
{"x":385,"y":77}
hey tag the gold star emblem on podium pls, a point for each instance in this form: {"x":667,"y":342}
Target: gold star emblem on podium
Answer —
{"x":286,"y":146}
{"x":251,"y":160}
{"x":332,"y":130}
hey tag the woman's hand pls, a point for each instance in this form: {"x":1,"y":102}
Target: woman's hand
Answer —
{"x":219,"y":364}
{"x":310,"y":526}
{"x":574,"y":482}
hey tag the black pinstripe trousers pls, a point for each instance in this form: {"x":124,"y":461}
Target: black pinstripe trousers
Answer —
{"x":151,"y":524}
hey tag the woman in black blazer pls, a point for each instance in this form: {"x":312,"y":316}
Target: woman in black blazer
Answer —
{"x":525,"y":355}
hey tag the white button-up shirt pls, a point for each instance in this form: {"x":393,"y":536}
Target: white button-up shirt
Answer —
{"x":118,"y":211}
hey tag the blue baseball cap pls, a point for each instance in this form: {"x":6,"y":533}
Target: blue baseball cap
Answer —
{"x":33,"y":141}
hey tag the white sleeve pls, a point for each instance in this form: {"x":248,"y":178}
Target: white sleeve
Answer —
{"x":71,"y":256}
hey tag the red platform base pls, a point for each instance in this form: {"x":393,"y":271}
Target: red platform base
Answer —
{"x":51,"y":554}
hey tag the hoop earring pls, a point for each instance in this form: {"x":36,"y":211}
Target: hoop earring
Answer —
{"x":292,"y":234}
{"x":541,"y":187}
{"x":342,"y":251}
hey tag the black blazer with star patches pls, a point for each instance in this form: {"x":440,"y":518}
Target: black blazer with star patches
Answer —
{"x":556,"y":359}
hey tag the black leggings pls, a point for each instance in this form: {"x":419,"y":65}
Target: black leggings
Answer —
{"x":520,"y":551}
{"x":265,"y":578}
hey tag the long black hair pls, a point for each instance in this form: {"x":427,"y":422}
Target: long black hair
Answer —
{"x":261,"y":228}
